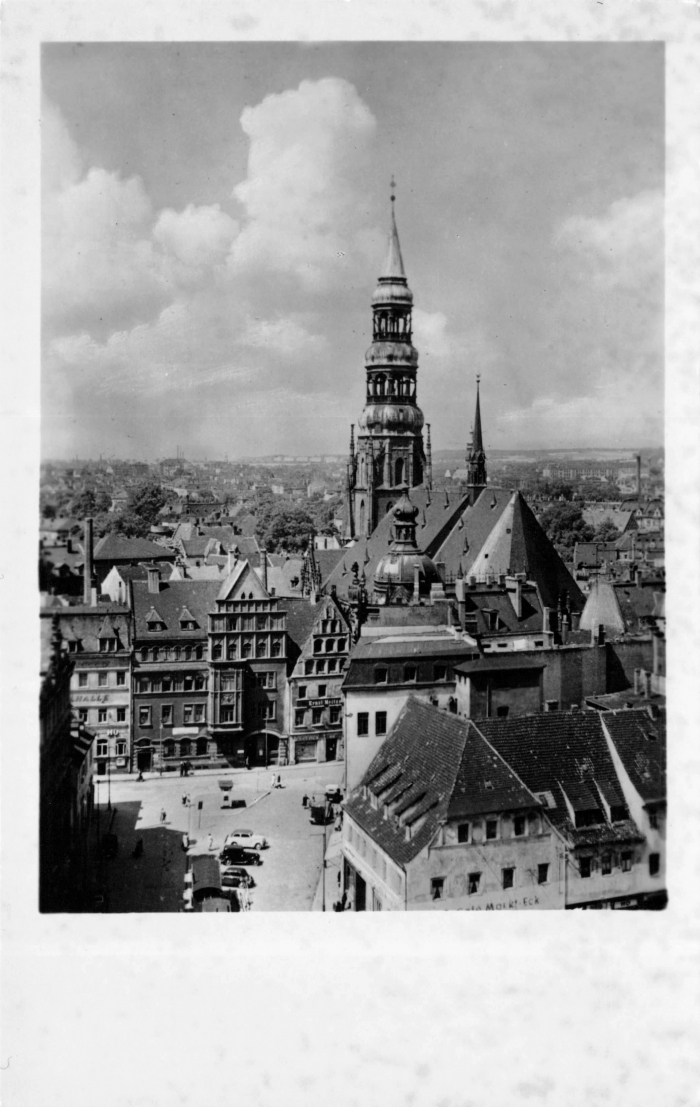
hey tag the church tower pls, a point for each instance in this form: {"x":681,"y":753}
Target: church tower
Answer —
{"x":389,"y":454}
{"x":476,"y":458}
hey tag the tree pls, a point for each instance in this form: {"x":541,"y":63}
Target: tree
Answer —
{"x":606,"y":532}
{"x":564,"y":525}
{"x":288,"y":528}
{"x":145,"y":502}
{"x":84,"y":505}
{"x":49,"y":511}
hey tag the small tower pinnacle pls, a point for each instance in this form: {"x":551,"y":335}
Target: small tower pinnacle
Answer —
{"x":476,"y":457}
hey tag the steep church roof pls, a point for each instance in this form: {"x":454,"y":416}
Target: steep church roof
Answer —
{"x":393,"y":266}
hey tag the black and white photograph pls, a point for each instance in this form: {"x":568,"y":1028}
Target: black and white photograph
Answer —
{"x":351,"y":477}
{"x":352,"y":488}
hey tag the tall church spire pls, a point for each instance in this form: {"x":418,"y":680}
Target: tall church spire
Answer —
{"x":476,"y":457}
{"x":389,"y":451}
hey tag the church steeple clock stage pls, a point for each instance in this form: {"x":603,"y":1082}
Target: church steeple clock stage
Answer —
{"x":389,"y":453}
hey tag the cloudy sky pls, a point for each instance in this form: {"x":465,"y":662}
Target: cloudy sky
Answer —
{"x":214,"y":219}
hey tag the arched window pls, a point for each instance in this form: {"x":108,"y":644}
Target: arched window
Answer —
{"x":398,"y":470}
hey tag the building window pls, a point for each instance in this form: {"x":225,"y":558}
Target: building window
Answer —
{"x":169,"y":748}
{"x":380,"y":722}
{"x":320,"y":666}
{"x":102,"y":680}
{"x":335,"y":714}
{"x":102,"y":715}
{"x":185,"y":747}
{"x":474,"y":881}
{"x":200,"y":713}
{"x":227,"y":714}
{"x":121,"y":679}
{"x":121,"y":749}
{"x":437,"y":886}
{"x":82,"y":680}
{"x":268,"y":711}
{"x":332,"y":665}
{"x":121,"y":714}
{"x":606,"y":864}
{"x":440,"y":672}
{"x":302,"y":691}
{"x":200,"y":682}
{"x":83,"y":714}
{"x":329,"y":645}
{"x":507,"y":877}
{"x":202,"y":747}
{"x":519,"y":826}
{"x":189,"y":683}
{"x":318,"y":645}
{"x":380,"y":675}
{"x":321,"y":690}
{"x":585,"y":867}
{"x":542,"y":872}
{"x":410,"y":673}
{"x":216,"y":651}
{"x":491,"y":829}
{"x":308,"y":667}
{"x":316,"y":715}
{"x":261,"y":647}
{"x":463,"y":832}
{"x":299,"y":717}
{"x":247,"y":647}
{"x":144,"y":655}
{"x":654,"y":820}
{"x":626,"y":859}
{"x":654,"y":864}
{"x":187,"y":713}
{"x":502,"y":711}
{"x":362,"y":723}
{"x":276,"y":647}
{"x":102,"y":749}
{"x":144,"y":716}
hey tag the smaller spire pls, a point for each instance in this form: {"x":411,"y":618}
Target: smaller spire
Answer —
{"x":477,"y":441}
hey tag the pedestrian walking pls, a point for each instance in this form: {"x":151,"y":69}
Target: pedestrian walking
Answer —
{"x":279,"y":781}
{"x":305,"y":800}
{"x":184,"y":799}
{"x":211,"y":842}
{"x":273,"y":782}
{"x":162,"y":815}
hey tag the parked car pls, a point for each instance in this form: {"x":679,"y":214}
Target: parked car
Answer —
{"x":236,"y":855}
{"x":246,"y":838}
{"x":235,"y":872}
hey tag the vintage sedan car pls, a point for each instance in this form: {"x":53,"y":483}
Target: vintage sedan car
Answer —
{"x":233,"y":875}
{"x":236,"y":855}
{"x":246,"y":838}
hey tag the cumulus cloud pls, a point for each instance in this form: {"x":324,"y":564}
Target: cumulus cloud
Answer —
{"x":197,"y":236}
{"x":624,"y":246}
{"x":304,"y":198}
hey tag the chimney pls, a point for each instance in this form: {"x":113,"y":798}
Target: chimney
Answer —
{"x":263,"y":567}
{"x":545,"y":620}
{"x":461,"y":601}
{"x":515,"y":593}
{"x":637,"y":681}
{"x":153,"y":578}
{"x":472,"y":582}
{"x":564,"y":628}
{"x":601,"y":635}
{"x":575,"y":620}
{"x":87,"y":568}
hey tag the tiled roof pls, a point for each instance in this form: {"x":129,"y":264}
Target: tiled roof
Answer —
{"x":496,"y":598}
{"x":327,"y":561}
{"x":637,"y":602}
{"x":561,"y":750}
{"x":641,"y":743}
{"x":421,"y":756}
{"x":115,"y":547}
{"x":513,"y":659}
{"x":197,"y":595}
{"x":485,"y":783}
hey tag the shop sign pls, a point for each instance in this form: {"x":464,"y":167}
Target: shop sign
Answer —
{"x":91,"y":697}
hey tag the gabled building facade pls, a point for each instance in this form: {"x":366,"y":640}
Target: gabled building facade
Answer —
{"x":315,"y":682}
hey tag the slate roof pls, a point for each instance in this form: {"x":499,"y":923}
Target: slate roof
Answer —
{"x":301,"y":616}
{"x":486,"y":663}
{"x":602,"y":609}
{"x":637,"y":602}
{"x":327,"y":561}
{"x":496,"y":598}
{"x":641,"y":743}
{"x":115,"y":547}
{"x":562,"y":750}
{"x":455,"y":533}
{"x":198,"y":596}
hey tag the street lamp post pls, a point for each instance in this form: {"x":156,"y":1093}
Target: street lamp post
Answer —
{"x":323,"y":867}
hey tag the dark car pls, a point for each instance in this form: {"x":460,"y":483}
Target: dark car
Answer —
{"x":233,"y":876}
{"x":236,"y":855}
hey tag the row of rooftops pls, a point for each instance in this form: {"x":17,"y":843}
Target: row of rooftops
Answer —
{"x":434,"y":767}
